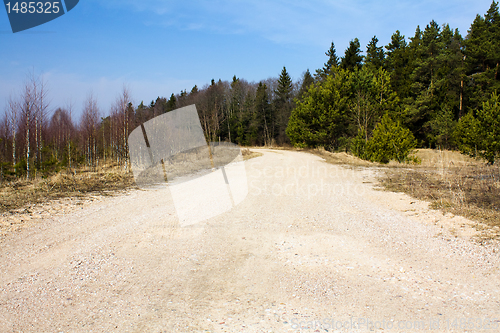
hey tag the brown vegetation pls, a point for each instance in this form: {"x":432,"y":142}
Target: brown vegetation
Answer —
{"x":84,"y":181}
{"x":248,"y":154}
{"x":23,"y":192}
{"x":452,"y":183}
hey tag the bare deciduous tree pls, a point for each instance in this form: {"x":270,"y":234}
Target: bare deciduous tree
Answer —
{"x":89,"y":124}
{"x":12,"y":118}
{"x":33,"y":108}
{"x":122,"y":114}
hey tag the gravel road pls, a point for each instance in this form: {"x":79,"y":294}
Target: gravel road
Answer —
{"x":312,"y":246}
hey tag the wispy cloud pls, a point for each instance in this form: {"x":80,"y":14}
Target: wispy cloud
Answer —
{"x":314,"y":22}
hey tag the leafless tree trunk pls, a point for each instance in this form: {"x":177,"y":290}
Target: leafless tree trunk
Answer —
{"x":121,"y":114}
{"x":33,"y":110}
{"x":89,"y":125}
{"x":364,"y":112}
{"x":69,"y":137}
{"x":12,"y":115}
{"x":27,"y":112}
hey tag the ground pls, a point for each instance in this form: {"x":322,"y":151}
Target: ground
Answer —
{"x":313,"y":244}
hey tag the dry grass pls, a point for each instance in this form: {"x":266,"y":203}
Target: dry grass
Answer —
{"x":22,"y":192}
{"x":248,"y":154}
{"x":341,"y":158}
{"x":453,"y":183}
{"x":106,"y":180}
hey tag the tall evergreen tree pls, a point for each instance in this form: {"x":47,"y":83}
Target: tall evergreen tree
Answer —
{"x":160,"y":106}
{"x":374,"y":54}
{"x":246,"y":132}
{"x":322,"y":118}
{"x":425,"y":95}
{"x":333,"y":61}
{"x":283,"y":105}
{"x":285,"y":87}
{"x":307,"y":81}
{"x":236,"y":96}
{"x":480,"y":135}
{"x":261,"y":128}
{"x":397,"y":64}
{"x":352,"y":58}
{"x":482,"y":51}
{"x":451,"y":72}
{"x":492,"y":20}
{"x":171,"y":104}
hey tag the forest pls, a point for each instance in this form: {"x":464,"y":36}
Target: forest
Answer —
{"x":435,"y":89}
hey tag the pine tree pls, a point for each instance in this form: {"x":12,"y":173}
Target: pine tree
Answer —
{"x":466,"y":135}
{"x":171,"y":104}
{"x":160,"y":106}
{"x":492,"y":20}
{"x":333,"y":61}
{"x":476,"y":40}
{"x":480,"y":136}
{"x":424,"y":94}
{"x":182,"y":98}
{"x":482,"y":51}
{"x":285,"y":87}
{"x":397,"y":64}
{"x":236,"y":97}
{"x":261,"y":128}
{"x":489,"y":119}
{"x":390,"y":141}
{"x":358,"y":145}
{"x":322,"y":118}
{"x":234,"y":110}
{"x":373,"y":96}
{"x":307,"y":81}
{"x":283,"y":105}
{"x":352,"y":58}
{"x":450,"y":73}
{"x":374,"y":54}
{"x":443,"y":126}
{"x":246,"y":135}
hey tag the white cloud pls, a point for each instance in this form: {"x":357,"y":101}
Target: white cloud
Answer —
{"x":314,"y":22}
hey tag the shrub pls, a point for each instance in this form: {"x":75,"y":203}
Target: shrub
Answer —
{"x":358,"y":145}
{"x":480,"y":136}
{"x":390,"y":141}
{"x":467,"y":135}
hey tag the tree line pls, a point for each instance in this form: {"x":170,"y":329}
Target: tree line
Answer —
{"x":434,"y":89}
{"x":37,"y":142}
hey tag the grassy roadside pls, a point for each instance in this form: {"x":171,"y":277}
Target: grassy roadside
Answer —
{"x":80,"y":182}
{"x":248,"y":154}
{"x":77,"y":183}
{"x":450,"y":181}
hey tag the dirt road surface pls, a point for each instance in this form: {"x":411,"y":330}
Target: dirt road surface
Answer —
{"x":313,"y":246}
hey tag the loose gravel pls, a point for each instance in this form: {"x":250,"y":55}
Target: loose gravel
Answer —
{"x":314,"y":247}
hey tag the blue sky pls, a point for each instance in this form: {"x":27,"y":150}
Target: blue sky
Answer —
{"x":159,"y":47}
